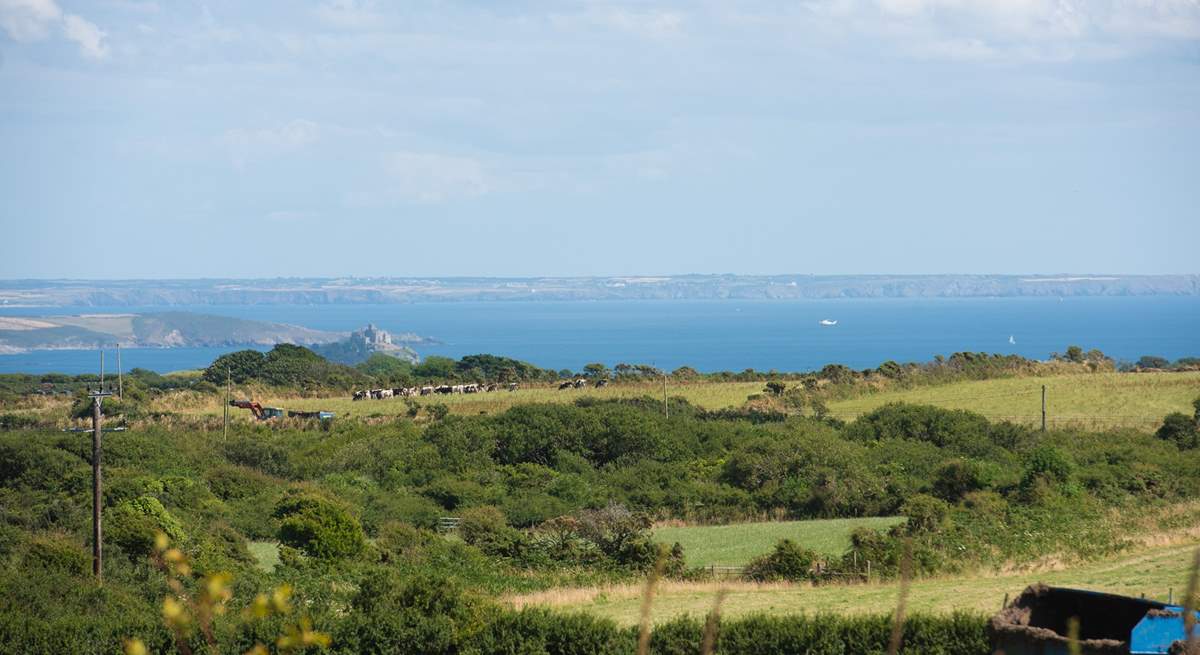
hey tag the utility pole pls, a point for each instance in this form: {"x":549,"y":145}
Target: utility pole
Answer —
{"x":1043,"y":408}
{"x":228,"y":377}
{"x":120,"y":385}
{"x":97,"y":531}
{"x":666,"y":407}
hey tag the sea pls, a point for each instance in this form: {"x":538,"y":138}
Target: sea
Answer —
{"x":708,"y":335}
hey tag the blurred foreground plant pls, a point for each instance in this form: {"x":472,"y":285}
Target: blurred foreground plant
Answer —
{"x":184,"y":612}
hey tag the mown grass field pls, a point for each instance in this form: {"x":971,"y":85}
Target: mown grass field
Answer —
{"x":1099,"y":400}
{"x":1157,"y":572}
{"x":738,"y":543}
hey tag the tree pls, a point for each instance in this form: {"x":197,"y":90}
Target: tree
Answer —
{"x":596,"y":371}
{"x":1153,"y":361}
{"x":1180,"y":429}
{"x":1075,"y":354}
{"x":319,"y":527}
{"x":241,"y":366}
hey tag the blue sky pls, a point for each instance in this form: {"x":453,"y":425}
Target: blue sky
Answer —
{"x":216,"y":139}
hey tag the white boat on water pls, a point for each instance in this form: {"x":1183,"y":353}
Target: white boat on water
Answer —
{"x":1012,"y":340}
{"x":826,"y":321}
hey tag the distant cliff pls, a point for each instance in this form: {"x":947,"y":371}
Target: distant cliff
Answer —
{"x":77,"y":293}
{"x":158,"y":330}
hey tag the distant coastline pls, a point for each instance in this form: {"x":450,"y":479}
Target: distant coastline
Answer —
{"x":393,"y":290}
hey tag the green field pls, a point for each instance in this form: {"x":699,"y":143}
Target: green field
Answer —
{"x":1158,"y":573}
{"x":1098,"y":400}
{"x":737,"y":544}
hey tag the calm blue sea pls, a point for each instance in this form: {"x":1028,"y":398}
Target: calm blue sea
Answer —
{"x":711,"y":335}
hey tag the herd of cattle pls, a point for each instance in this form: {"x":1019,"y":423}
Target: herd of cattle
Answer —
{"x":429,"y":390}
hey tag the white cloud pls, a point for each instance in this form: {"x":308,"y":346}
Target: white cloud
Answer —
{"x":85,"y":33}
{"x":429,"y":177}
{"x":28,"y":20}
{"x":245,"y":145}
{"x":31,"y":20}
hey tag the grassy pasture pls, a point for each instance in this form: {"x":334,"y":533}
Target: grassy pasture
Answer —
{"x":1156,"y":572}
{"x":1098,"y":400}
{"x":703,"y":394}
{"x":738,"y":543}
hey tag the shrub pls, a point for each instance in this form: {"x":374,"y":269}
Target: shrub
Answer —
{"x":132,"y":525}
{"x":318,"y":527}
{"x":57,"y":553}
{"x":485,"y":528}
{"x":1046,"y":465}
{"x":956,"y":478}
{"x":789,"y":561}
{"x":421,"y":616}
{"x":1180,"y":429}
{"x":925,"y":513}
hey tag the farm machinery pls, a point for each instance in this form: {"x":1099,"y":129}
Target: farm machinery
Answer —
{"x":265,"y":413}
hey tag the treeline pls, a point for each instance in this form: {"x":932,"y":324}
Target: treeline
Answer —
{"x":297,"y":368}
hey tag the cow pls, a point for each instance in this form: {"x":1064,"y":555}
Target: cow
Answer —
{"x":360,"y":395}
{"x":443,"y":389}
{"x":580,"y":383}
{"x":513,"y":386}
{"x":490,"y":388}
{"x":426,"y":390}
{"x":565,"y":385}
{"x":601,"y":383}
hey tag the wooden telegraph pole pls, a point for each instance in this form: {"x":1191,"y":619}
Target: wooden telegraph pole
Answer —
{"x":1043,"y":408}
{"x":97,"y":448}
{"x":228,"y":384}
{"x":666,"y":407}
{"x":97,"y":397}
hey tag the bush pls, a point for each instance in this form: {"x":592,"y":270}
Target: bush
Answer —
{"x":1180,"y":429}
{"x":133,"y":524}
{"x":419,"y":616}
{"x":485,"y":528}
{"x":925,"y":514}
{"x":57,"y":553}
{"x":789,"y":561}
{"x":318,"y":527}
{"x":1047,"y":466}
{"x":956,"y":478}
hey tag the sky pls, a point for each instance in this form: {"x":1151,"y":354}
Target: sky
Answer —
{"x":143,"y":139}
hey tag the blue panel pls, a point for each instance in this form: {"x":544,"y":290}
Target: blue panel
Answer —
{"x":1155,"y":633}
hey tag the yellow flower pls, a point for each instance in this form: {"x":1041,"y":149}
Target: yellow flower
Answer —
{"x":135,"y":647}
{"x":258,"y":649}
{"x":161,"y":541}
{"x":279,"y":599}
{"x":260,"y":607}
{"x":173,"y":611}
